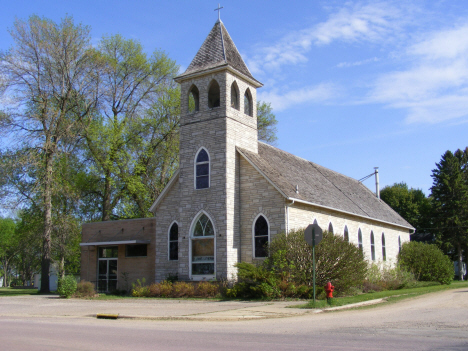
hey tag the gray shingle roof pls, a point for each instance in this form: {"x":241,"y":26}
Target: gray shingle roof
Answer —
{"x":218,"y":49}
{"x":319,"y":185}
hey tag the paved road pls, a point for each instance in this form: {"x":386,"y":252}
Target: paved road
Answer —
{"x":437,"y":321}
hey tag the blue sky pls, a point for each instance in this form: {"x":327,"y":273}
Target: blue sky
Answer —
{"x":353,"y":84}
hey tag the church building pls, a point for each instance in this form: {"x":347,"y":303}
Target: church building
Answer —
{"x":232,"y":194}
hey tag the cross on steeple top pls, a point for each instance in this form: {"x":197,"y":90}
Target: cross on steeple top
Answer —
{"x":219,"y":12}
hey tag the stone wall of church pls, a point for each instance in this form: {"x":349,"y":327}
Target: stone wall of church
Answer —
{"x":257,"y":196}
{"x":301,"y":215}
{"x":167,"y":213}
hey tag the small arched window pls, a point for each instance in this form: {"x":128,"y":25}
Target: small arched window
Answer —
{"x":214,"y":95}
{"x":359,"y":238}
{"x":193,"y":100}
{"x":202,"y":251}
{"x":384,"y":252}
{"x":234,"y":96}
{"x":202,"y":170}
{"x":174,"y":242}
{"x":261,"y":237}
{"x":399,"y":244}
{"x":372,"y":246}
{"x":330,"y":228}
{"x":248,"y":108}
{"x":346,"y":234}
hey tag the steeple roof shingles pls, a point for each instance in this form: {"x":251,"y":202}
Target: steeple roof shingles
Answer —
{"x":218,"y":49}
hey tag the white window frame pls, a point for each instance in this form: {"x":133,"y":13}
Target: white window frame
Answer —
{"x":192,"y":228}
{"x":372,"y":246}
{"x":253,"y":234}
{"x":169,"y":241}
{"x":195,"y":168}
{"x":384,"y":247}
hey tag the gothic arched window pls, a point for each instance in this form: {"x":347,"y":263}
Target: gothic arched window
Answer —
{"x":214,"y":95}
{"x":203,"y":246}
{"x":234,"y":96}
{"x":399,"y":244}
{"x":384,"y":252}
{"x":330,"y":228}
{"x":202,"y":170}
{"x":174,"y":242}
{"x":372,"y":246}
{"x":359,"y":238}
{"x":261,"y":237}
{"x":248,"y":108}
{"x":193,"y":100}
{"x":346,"y":234}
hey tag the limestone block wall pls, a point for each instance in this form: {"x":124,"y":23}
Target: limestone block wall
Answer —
{"x":166,"y":214}
{"x":134,"y":267}
{"x":257,"y":196}
{"x":301,"y":215}
{"x":219,"y":130}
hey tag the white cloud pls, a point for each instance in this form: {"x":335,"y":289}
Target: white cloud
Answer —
{"x":435,"y":86}
{"x":357,"y":63}
{"x":318,"y":93}
{"x":359,"y":22}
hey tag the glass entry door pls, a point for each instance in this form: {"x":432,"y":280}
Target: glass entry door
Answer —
{"x":107,"y":268}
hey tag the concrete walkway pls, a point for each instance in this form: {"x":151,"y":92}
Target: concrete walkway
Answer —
{"x":154,"y":309}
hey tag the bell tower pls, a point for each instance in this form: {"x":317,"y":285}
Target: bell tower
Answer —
{"x":218,"y":114}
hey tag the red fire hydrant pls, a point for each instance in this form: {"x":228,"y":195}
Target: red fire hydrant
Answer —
{"x":329,"y":289}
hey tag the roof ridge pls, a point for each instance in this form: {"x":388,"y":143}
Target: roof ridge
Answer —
{"x":222,"y":39}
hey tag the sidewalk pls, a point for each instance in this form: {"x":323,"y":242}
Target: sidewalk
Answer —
{"x":154,"y":309}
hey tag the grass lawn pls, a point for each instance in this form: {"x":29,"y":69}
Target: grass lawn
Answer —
{"x":390,"y":295}
{"x":16,"y":292}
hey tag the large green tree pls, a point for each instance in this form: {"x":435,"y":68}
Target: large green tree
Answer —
{"x":266,"y":123}
{"x":450,"y":202}
{"x":50,"y":77}
{"x":412,"y":204}
{"x":132,"y":143}
{"x":9,"y":247}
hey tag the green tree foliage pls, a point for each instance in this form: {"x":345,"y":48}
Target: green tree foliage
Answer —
{"x":50,"y":76}
{"x":266,"y":123}
{"x":337,"y":261}
{"x":426,"y":261}
{"x":8,"y":247}
{"x":133,"y":141}
{"x":450,"y":202}
{"x":411,"y":204}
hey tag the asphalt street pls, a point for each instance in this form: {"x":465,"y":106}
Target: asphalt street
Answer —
{"x":437,"y":321}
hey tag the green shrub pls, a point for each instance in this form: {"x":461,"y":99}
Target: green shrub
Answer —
{"x":85,"y":289}
{"x":426,"y":261}
{"x":182,"y":289}
{"x":66,"y":286}
{"x":207,"y":289}
{"x":337,"y":261}
{"x":140,"y":289}
{"x":255,"y":282}
{"x":387,"y":277}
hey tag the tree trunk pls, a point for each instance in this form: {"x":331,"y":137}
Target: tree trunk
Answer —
{"x":62,"y":267}
{"x":460,"y":261}
{"x":46,"y":237}
{"x":5,"y":273}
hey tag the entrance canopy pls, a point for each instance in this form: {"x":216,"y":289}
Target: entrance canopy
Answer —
{"x":120,"y":242}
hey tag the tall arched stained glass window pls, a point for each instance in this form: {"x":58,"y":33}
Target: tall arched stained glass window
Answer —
{"x":330,"y":228}
{"x":261,"y":237}
{"x":384,"y":252}
{"x":203,"y":247}
{"x":372,"y":246}
{"x":399,"y":244}
{"x":346,"y":234}
{"x":202,"y":170}
{"x":359,"y":238}
{"x":174,"y":242}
